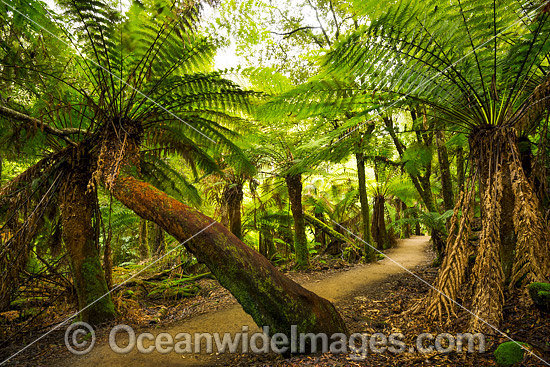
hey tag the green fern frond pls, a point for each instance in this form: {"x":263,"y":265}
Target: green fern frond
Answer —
{"x":161,"y":174}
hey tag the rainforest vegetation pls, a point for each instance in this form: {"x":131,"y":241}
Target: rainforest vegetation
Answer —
{"x":153,"y":149}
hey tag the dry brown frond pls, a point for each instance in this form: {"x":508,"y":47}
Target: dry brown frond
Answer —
{"x":488,"y":275}
{"x":452,"y":273}
{"x":534,"y":108}
{"x":531,"y":255}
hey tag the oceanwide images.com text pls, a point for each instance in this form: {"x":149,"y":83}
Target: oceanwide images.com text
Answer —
{"x":80,"y":339}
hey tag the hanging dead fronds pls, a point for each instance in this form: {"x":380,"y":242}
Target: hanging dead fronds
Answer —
{"x":531,"y":262}
{"x":487,"y":275}
{"x":24,"y":202}
{"x":534,"y":108}
{"x":119,"y":147}
{"x":453,"y":270}
{"x":499,"y":262}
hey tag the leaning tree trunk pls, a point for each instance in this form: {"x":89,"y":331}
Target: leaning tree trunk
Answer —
{"x":267,"y":295}
{"x":514,"y":240}
{"x":294,"y":184}
{"x":365,"y":217}
{"x":77,"y":211}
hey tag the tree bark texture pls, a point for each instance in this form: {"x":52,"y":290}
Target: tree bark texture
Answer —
{"x":445,"y":171}
{"x":379,"y":232}
{"x":80,"y":237}
{"x":233,"y":198}
{"x":365,"y":215}
{"x":294,"y":184}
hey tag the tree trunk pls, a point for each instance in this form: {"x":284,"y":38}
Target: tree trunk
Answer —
{"x":157,"y":239}
{"x":365,"y":217}
{"x":417,"y":230}
{"x":267,"y":246}
{"x":267,"y":295}
{"x":406,"y":228}
{"x":421,"y":183}
{"x":444,"y":169}
{"x":459,"y":169}
{"x":507,"y":233}
{"x":319,"y":234}
{"x":262,"y":248}
{"x":379,"y":233}
{"x":77,"y":210}
{"x":233,"y":198}
{"x":108,"y":260}
{"x":294,"y":184}
{"x":143,"y":241}
{"x":514,"y":235}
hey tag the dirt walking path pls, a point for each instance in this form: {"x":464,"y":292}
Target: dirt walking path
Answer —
{"x":409,"y":253}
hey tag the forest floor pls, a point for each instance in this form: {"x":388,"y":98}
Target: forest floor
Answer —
{"x":371,"y":298}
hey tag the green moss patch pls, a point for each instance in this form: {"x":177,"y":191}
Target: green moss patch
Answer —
{"x":540,"y":293}
{"x":510,"y":353}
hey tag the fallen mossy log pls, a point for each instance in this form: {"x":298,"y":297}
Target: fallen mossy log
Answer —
{"x":329,"y":231}
{"x":266,"y":294}
{"x":173,"y":290}
{"x":163,"y":276}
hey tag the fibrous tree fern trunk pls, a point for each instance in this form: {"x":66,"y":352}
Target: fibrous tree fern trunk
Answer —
{"x":294,"y":184}
{"x":320,"y":237}
{"x":233,"y":198}
{"x":158,"y":245}
{"x":80,"y":237}
{"x":266,"y":244}
{"x":379,"y":232}
{"x":510,"y":247}
{"x":267,"y":295}
{"x":403,"y":214}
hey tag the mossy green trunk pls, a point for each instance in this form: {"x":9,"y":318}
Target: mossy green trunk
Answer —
{"x":80,"y":237}
{"x":327,"y":229}
{"x":267,"y":295}
{"x":459,"y":170}
{"x":365,"y":215}
{"x":445,"y":171}
{"x":294,"y":184}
